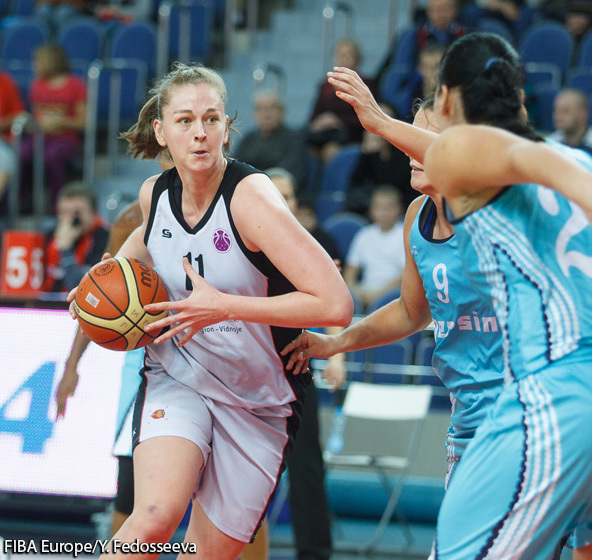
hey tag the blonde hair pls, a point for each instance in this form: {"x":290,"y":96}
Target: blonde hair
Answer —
{"x":141,"y":136}
{"x":52,"y":60}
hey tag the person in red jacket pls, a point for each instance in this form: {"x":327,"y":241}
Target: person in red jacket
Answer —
{"x":78,"y":241}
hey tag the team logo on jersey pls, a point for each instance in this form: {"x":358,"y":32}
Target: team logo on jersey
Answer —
{"x":167,"y":233}
{"x":221,"y":241}
{"x":158,"y":414}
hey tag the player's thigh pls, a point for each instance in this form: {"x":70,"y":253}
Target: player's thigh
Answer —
{"x":209,"y":540}
{"x":166,"y":469}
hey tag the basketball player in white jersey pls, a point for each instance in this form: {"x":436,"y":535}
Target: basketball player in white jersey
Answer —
{"x":217,"y":410}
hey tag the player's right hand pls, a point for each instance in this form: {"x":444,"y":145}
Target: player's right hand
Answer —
{"x":352,"y":89}
{"x":306,"y":345}
{"x":65,"y":390}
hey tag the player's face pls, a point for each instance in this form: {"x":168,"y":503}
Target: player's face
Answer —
{"x":419,"y":180}
{"x":193,"y":126}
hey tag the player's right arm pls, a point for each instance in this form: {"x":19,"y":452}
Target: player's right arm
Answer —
{"x":400,"y":318}
{"x":69,"y":380}
{"x":412,"y":140}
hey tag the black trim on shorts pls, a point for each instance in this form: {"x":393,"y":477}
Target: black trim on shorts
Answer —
{"x":124,"y":501}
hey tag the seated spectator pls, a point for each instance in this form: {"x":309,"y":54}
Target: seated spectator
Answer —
{"x":576,"y":15}
{"x":334,"y":122}
{"x":376,"y":257}
{"x":11,"y":105}
{"x":441,"y":27}
{"x":570,"y":118}
{"x":516,"y":15}
{"x":303,"y":209}
{"x":380,"y":163}
{"x":272,"y":143}
{"x":78,"y":241}
{"x":58,"y":103}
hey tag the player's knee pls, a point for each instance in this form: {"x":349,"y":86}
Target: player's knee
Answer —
{"x":155,"y":523}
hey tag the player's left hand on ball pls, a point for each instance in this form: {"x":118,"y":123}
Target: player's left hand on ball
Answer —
{"x":204,"y":307}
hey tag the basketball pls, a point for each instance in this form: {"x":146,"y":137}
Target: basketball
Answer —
{"x":110,"y":303}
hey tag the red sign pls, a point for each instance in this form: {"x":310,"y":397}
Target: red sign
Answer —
{"x":21,"y":272}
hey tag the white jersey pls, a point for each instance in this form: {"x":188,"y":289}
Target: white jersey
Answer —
{"x":233,"y":362}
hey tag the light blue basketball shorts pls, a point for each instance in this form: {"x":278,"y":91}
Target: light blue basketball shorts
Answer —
{"x":526,"y":478}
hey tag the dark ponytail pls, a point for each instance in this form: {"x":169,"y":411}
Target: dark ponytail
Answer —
{"x":487,"y":70}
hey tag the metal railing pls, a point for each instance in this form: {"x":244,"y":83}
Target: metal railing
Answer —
{"x":26,"y":124}
{"x":185,"y":9}
{"x":116,"y":67}
{"x":330,"y":10}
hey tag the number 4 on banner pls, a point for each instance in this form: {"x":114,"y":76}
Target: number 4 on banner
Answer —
{"x":35,"y":429}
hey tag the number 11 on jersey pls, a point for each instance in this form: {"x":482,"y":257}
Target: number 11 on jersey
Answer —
{"x":200,"y":269}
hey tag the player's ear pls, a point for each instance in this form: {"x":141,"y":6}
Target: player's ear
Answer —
{"x":157,"y":126}
{"x":226,"y":131}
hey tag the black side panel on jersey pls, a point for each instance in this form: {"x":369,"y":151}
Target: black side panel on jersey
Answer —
{"x":162,"y":184}
{"x":278,"y":284}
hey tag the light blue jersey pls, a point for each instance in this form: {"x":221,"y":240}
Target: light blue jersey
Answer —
{"x":468,"y":352}
{"x":533,"y":256}
{"x":528,"y":469}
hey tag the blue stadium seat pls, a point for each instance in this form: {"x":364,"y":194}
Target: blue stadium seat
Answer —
{"x":338,"y":170}
{"x":424,"y":351}
{"x":399,"y":353}
{"x":547,"y":43}
{"x":329,"y":204}
{"x":199,"y":16}
{"x":585,"y":51}
{"x":82,"y":39}
{"x":19,"y":41}
{"x":397,"y":87}
{"x":493,"y":25}
{"x":342,"y":227}
{"x":544,"y":100}
{"x":136,"y":42}
{"x":406,"y":49}
{"x":385,"y":298}
{"x":23,"y":7}
{"x":127,"y":76}
{"x":580,"y":77}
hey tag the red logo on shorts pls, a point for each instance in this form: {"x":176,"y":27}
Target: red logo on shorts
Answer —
{"x":158,"y":414}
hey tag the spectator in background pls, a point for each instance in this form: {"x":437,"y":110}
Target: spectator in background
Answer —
{"x":272,"y":143}
{"x":334,"y":122}
{"x":380,"y":163}
{"x":78,"y":241}
{"x":303,"y":209}
{"x":576,"y":15}
{"x":11,"y":105}
{"x":570,"y":118}
{"x":58,"y":103}
{"x":442,"y":26}
{"x":376,"y":257}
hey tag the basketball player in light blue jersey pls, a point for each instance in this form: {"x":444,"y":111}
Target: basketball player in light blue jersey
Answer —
{"x":526,"y":479}
{"x":467,"y":356}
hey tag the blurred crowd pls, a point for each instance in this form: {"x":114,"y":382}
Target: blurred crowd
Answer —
{"x":337,"y":166}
